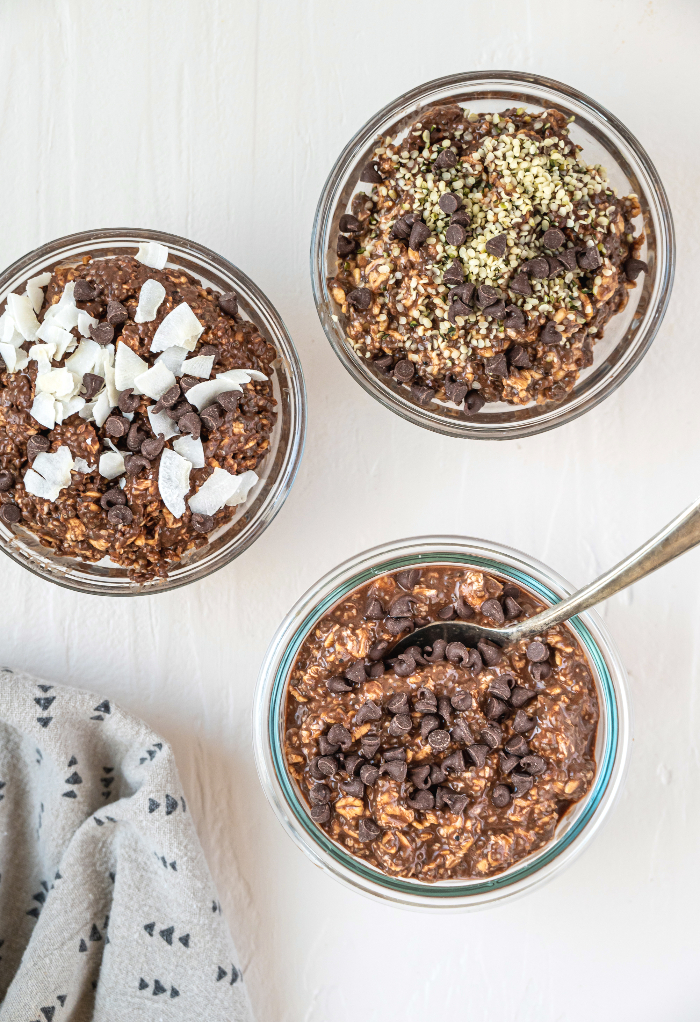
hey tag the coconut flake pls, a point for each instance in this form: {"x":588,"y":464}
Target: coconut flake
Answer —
{"x":42,"y":355}
{"x":246,"y":482}
{"x":111,"y":464}
{"x":59,"y":382}
{"x":155,"y":381}
{"x":22,"y":311}
{"x":173,"y":358}
{"x":204,"y":394}
{"x":85,"y":322}
{"x":180,"y":327}
{"x":101,"y":409}
{"x":80,"y":465}
{"x":50,"y":332}
{"x":42,"y":280}
{"x":87,"y":412}
{"x":83,"y":359}
{"x":35,"y":290}
{"x":200,"y":366}
{"x":241,"y":375}
{"x":191,"y":449}
{"x":127,"y":366}
{"x":150,"y":297}
{"x":10,"y":356}
{"x":70,"y":406}
{"x":49,"y":474}
{"x":9,"y":334}
{"x":152,"y":254}
{"x":44,"y":410}
{"x":214,"y":492}
{"x":162,"y":423}
{"x":173,"y":481}
{"x":67,"y":314}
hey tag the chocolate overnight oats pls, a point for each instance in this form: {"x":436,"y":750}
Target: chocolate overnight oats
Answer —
{"x":446,"y":762}
{"x":135,"y":407}
{"x":485,"y":259}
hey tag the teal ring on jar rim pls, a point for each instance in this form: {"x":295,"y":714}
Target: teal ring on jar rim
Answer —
{"x":605,"y":140}
{"x":576,"y":828}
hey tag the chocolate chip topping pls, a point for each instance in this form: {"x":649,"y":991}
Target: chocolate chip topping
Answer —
{"x":522,"y":782}
{"x":519,"y":696}
{"x":190,"y":423}
{"x":550,"y":334}
{"x":475,"y":401}
{"x":497,"y":246}
{"x":446,"y":159}
{"x":493,"y":609}
{"x":6,"y":481}
{"x":128,"y":401}
{"x":103,"y":333}
{"x":537,"y":651}
{"x":371,"y":175}
{"x":449,"y":202}
{"x":454,"y":274}
{"x":203,"y":523}
{"x":84,"y":291}
{"x":36,"y":444}
{"x":135,"y":463}
{"x":92,"y":385}
{"x":349,"y":224}
{"x":522,"y":723}
{"x":10,"y":514}
{"x":360,"y":298}
{"x":538,"y":268}
{"x":521,"y":285}
{"x":534,"y":765}
{"x":369,"y":774}
{"x":455,"y":235}
{"x":152,"y":447}
{"x":478,"y":754}
{"x":500,"y":796}
{"x":553,"y":238}
{"x":116,"y":313}
{"x":228,"y":303}
{"x":633,"y":267}
{"x":516,"y":746}
{"x":419,"y":235}
{"x":403,"y":371}
{"x":367,"y":830}
{"x":209,"y":417}
{"x":421,"y":800}
{"x":589,"y":259}
{"x":568,"y":259}
{"x":120,"y":515}
{"x":117,"y":426}
{"x":345,"y":246}
{"x":112,"y":498}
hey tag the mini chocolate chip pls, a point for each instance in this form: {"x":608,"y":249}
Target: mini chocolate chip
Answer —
{"x":112,"y":498}
{"x":395,"y":769}
{"x":550,"y":334}
{"x":179,"y":409}
{"x":117,"y":425}
{"x":553,"y":238}
{"x":428,"y":723}
{"x":367,"y":830}
{"x":449,"y":202}
{"x":211,"y":349}
{"x":419,"y":235}
{"x":376,"y":670}
{"x":455,"y":235}
{"x":228,"y":303}
{"x":456,"y":801}
{"x":320,"y":813}
{"x":454,"y":274}
{"x":192,"y":424}
{"x":446,"y":159}
{"x":537,"y":651}
{"x":384,"y":363}
{"x":152,"y":447}
{"x":228,"y":400}
{"x":37,"y":444}
{"x":116,"y":313}
{"x":423,"y":395}
{"x":378,"y":649}
{"x":492,"y":734}
{"x":408,"y":579}
{"x":437,"y":774}
{"x":320,"y":793}
{"x":398,"y":703}
{"x":171,"y":396}
{"x":457,"y":308}
{"x":519,"y":696}
{"x":496,"y":311}
{"x":522,"y":723}
{"x":507,"y":762}
{"x":510,"y":590}
{"x":400,"y":725}
{"x":403,"y":371}
{"x":533,"y":765}
{"x":103,"y":333}
{"x":403,"y":665}
{"x":120,"y":516}
{"x":568,"y":258}
{"x":490,"y":653}
{"x":457,"y":653}
{"x":589,"y":259}
{"x":188,"y":382}
{"x":92,"y":385}
{"x":203,"y":523}
{"x":462,"y":218}
{"x":512,"y":608}
{"x":6,"y":481}
{"x":84,"y":291}
{"x":475,"y":663}
{"x":370,"y":174}
{"x":426,"y":701}
{"x":454,"y":762}
{"x":446,"y":613}
{"x":134,"y":463}
{"x":345,"y":246}
{"x":421,"y":800}
{"x":401,"y":229}
{"x":538,"y":268}
{"x":522,"y":782}
{"x":353,"y":787}
{"x":339,"y":735}
{"x":445,"y":708}
{"x":478,"y":754}
{"x":326,"y":748}
{"x":497,"y":246}
{"x":493,"y":609}
{"x":369,"y":774}
{"x":128,"y":401}
{"x":462,"y":701}
{"x":520,"y":284}
{"x":515,"y":318}
{"x":475,"y":402}
{"x":555,"y":266}
{"x":209,"y":417}
{"x":368,"y":711}
{"x":396,"y":625}
{"x":496,"y":366}
{"x":540,"y":672}
{"x":10,"y":514}
{"x":390,"y":755}
{"x":486,"y":295}
{"x":500,"y":796}
{"x":420,"y":776}
{"x":495,"y":708}
{"x":370,"y":743}
{"x":500,"y":688}
{"x":438,"y":740}
{"x":633,"y":267}
{"x":314,"y":771}
{"x":349,"y":224}
{"x":360,"y":298}
{"x":517,"y":746}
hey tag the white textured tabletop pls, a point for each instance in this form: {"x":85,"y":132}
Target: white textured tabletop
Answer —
{"x":220,"y":121}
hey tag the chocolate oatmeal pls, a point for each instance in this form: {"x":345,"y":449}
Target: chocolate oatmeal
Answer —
{"x":485,"y":260}
{"x":446,"y":762}
{"x":135,"y":407}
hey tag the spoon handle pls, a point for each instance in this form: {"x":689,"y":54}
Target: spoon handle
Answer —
{"x":678,"y":536}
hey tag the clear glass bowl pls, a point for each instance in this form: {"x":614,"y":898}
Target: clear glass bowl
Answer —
{"x":276,"y":472}
{"x":605,"y":140}
{"x":576,"y":828}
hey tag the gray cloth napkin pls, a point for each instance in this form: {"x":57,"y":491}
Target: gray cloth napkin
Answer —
{"x":107,"y":908}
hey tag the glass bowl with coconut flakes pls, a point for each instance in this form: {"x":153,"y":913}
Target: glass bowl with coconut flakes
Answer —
{"x":492,"y":255}
{"x":152,"y":412}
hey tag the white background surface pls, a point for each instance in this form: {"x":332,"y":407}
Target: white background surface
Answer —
{"x":220,"y":121}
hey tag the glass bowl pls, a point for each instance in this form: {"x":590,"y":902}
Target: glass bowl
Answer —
{"x":605,"y":140}
{"x":276,"y":472}
{"x":576,"y":828}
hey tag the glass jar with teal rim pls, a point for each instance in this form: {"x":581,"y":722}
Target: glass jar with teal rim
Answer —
{"x":576,"y":828}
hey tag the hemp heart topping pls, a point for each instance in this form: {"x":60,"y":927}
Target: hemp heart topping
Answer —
{"x":486,"y":259}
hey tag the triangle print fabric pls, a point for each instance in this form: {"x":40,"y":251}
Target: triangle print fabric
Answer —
{"x":107,"y":908}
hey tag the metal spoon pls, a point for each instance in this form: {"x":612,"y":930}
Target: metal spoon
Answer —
{"x":680,"y":535}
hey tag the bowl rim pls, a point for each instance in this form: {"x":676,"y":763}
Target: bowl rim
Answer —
{"x":550,"y":418}
{"x":58,"y":570}
{"x":292,"y":813}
